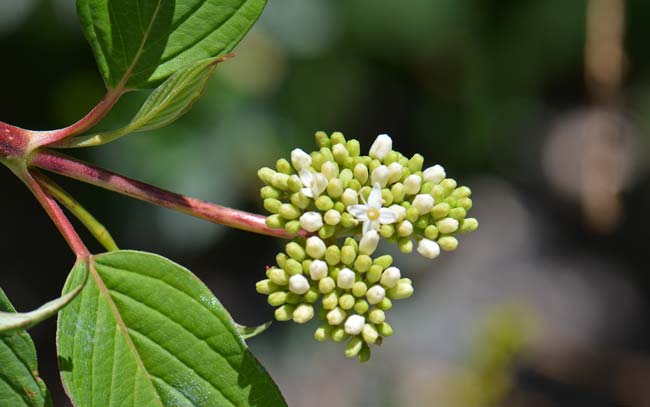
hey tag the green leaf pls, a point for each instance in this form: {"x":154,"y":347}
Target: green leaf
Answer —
{"x":20,"y":385}
{"x":247,"y":332}
{"x":167,"y":103}
{"x":146,"y":332}
{"x":138,"y":44}
{"x":17,"y":321}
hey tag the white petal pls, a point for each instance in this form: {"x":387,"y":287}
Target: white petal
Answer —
{"x":399,"y":210}
{"x":306,"y":177}
{"x":300,"y":159}
{"x":387,"y":216}
{"x":359,"y":211}
{"x":374,"y":199}
{"x":320,"y":183}
{"x":369,"y":242}
{"x":307,"y":192}
{"x":369,"y":225}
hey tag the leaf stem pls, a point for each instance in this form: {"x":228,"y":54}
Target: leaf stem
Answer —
{"x":79,"y":170}
{"x":99,"y":231}
{"x":56,"y":214}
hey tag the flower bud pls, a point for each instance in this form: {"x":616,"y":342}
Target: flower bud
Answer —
{"x":376,"y":316}
{"x":362,"y":263}
{"x":340,"y":153}
{"x":361,"y":306}
{"x":398,"y":190}
{"x":324,"y":203}
{"x":327,"y":231}
{"x":312,"y":295}
{"x":381,"y":147}
{"x":322,"y":333}
{"x":329,"y":170}
{"x":299,"y":200}
{"x":375,"y":294}
{"x":428,"y":248}
{"x":405,"y":245}
{"x":412,"y":214}
{"x":384,"y":261}
{"x":272,"y":205}
{"x":284,"y":312}
{"x":266,"y":287}
{"x":326,"y":285}
{"x":345,"y":278}
{"x":303,"y":313}
{"x":468,"y":225}
{"x":434,"y":174}
{"x":412,"y":184}
{"x":315,"y":247}
{"x":348,"y":255}
{"x":346,"y":301}
{"x":370,"y":333}
{"x":335,"y":188}
{"x":330,"y":301}
{"x":311,"y":221}
{"x":423,"y":203}
{"x":337,"y":138}
{"x":387,"y":231}
{"x":280,"y":181}
{"x":386,"y":304}
{"x":354,"y":324}
{"x":359,"y":289}
{"x":292,"y":227}
{"x":448,"y":185}
{"x":380,"y":176}
{"x":353,"y":347}
{"x":405,"y":228}
{"x":447,"y":225}
{"x":374,"y":274}
{"x":385,"y":329}
{"x":369,"y":242}
{"x":364,"y":354}
{"x":298,"y":284}
{"x":390,"y":277}
{"x":440,"y":210}
{"x":296,"y":251}
{"x":278,"y":276}
{"x":275,"y":222}
{"x":332,"y":217}
{"x":458,"y":213}
{"x":289,"y":211}
{"x":399,"y":210}
{"x":350,"y":197}
{"x":333,"y":255}
{"x":401,"y":291}
{"x":394,"y":172}
{"x":448,"y":243}
{"x":277,"y":298}
{"x":465,"y":203}
{"x":361,"y":173}
{"x":415,"y":163}
{"x":300,"y":159}
{"x":318,"y":270}
{"x":338,"y":334}
{"x":293,"y":267}
{"x":336,"y":316}
{"x":294,"y":183}
{"x":265,"y":174}
{"x":283,"y":166}
{"x":270,"y":192}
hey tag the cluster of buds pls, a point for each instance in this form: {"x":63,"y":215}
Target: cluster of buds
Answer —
{"x":335,"y":194}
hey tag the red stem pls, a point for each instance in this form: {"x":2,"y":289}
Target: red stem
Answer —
{"x":44,"y":138}
{"x":56,"y":214}
{"x":79,"y":170}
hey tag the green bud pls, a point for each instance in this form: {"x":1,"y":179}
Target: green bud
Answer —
{"x":280,"y":181}
{"x":468,"y":225}
{"x":458,"y":213}
{"x":289,"y":211}
{"x":277,"y":298}
{"x":347,"y":220}
{"x":284,"y":312}
{"x":294,"y":183}
{"x":364,"y":354}
{"x":317,"y":159}
{"x":274,"y":222}
{"x":385,"y":304}
{"x":340,"y":153}
{"x":384,"y":261}
{"x":370,"y":333}
{"x":391,"y":157}
{"x":348,"y":255}
{"x":465,"y":203}
{"x":324,"y":203}
{"x":359,"y":289}
{"x":422,"y":222}
{"x":332,"y":217}
{"x":355,"y":185}
{"x":398,"y":192}
{"x":415,"y":163}
{"x":412,"y":214}
{"x":353,"y":347}
{"x":303,"y":313}
{"x":338,"y":334}
{"x":339,"y":207}
{"x":292,"y":227}
{"x":281,"y":259}
{"x":278,"y":276}
{"x":306,"y":264}
{"x":330,"y":170}
{"x":272,"y":205}
{"x":448,"y":184}
{"x":322,"y":140}
{"x":385,"y":329}
{"x":322,"y":333}
{"x":327,"y":154}
{"x":326,"y":285}
{"x":386,"y":231}
{"x":293,"y":298}
{"x":265,"y":174}
{"x":331,"y":300}
{"x":427,"y":187}
{"x":374,"y":274}
{"x":438,"y":193}
{"x":361,"y":306}
{"x":461,"y":192}
{"x":293,"y":267}
{"x":387,"y":197}
{"x":334,"y":188}
{"x":440,"y":210}
{"x":333,"y":255}
{"x":405,"y":244}
{"x":266,"y":287}
{"x":299,"y":200}
{"x":284,"y":166}
{"x":337,"y":138}
{"x":346,"y":301}
{"x":354,"y":148}
{"x":326,"y":231}
{"x":376,"y":316}
{"x":312,"y":295}
{"x":431,"y":232}
{"x":448,"y":243}
{"x":296,"y":251}
{"x":336,"y":316}
{"x":346,"y":176}
{"x":400,"y":291}
{"x":361,"y":173}
{"x":453,"y":202}
{"x":270,"y":192}
{"x":373,"y":165}
{"x":363,"y":263}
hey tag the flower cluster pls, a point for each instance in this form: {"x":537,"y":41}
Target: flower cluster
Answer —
{"x":337,"y":193}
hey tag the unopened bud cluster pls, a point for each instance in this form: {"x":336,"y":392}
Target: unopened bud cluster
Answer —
{"x":336,"y":193}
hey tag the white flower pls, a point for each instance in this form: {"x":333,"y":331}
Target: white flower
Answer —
{"x":318,"y":270}
{"x":376,"y":294}
{"x":298,"y":284}
{"x":428,"y":248}
{"x":434,"y":174}
{"x":354,"y":324}
{"x":315,"y":247}
{"x":300,"y":159}
{"x":314,"y":184}
{"x":369,"y":242}
{"x":311,"y":221}
{"x":372,"y":213}
{"x":381,"y":147}
{"x":423,"y":203}
{"x":345,"y":278}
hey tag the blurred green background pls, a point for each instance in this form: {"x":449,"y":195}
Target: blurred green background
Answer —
{"x":540,"y":107}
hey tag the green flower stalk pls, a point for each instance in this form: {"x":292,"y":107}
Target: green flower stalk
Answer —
{"x":336,"y":194}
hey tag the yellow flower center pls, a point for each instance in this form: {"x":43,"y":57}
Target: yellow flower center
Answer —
{"x":373,"y":214}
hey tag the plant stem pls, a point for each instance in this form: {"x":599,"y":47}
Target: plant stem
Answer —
{"x":79,"y":170}
{"x":99,"y":231}
{"x":57,"y":215}
{"x":44,"y":138}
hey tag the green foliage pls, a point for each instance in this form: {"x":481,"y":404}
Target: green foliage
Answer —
{"x":20,"y":385}
{"x":139,"y":44}
{"x":146,"y":332}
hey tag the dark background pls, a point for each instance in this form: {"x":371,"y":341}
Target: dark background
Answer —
{"x":540,"y":107}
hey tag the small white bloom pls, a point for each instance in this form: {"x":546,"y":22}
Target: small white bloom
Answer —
{"x":372,"y":213}
{"x":394,"y":172}
{"x":447,"y":225}
{"x":405,"y":228}
{"x":346,"y":278}
{"x":376,"y":294}
{"x":428,"y":248}
{"x":399,"y":210}
{"x":380,"y":175}
{"x":336,"y":316}
{"x":329,"y":170}
{"x":412,"y":184}
{"x":423,"y":203}
{"x":434,"y":174}
{"x":350,"y":197}
{"x":300,"y":159}
{"x":332,"y":217}
{"x":318,"y":270}
{"x":315,"y":247}
{"x":298,"y":284}
{"x":311,"y":221}
{"x":390,"y":277}
{"x":369,"y":242}
{"x":314,"y":184}
{"x":382,"y":146}
{"x":354,"y":324}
